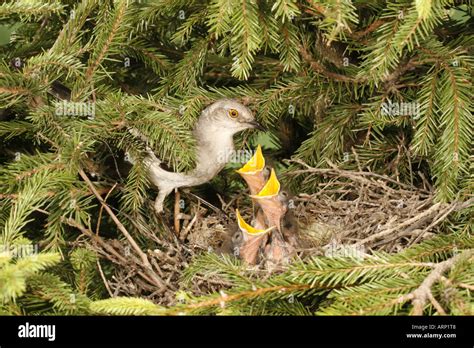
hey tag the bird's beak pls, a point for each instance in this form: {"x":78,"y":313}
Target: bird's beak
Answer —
{"x":257,"y":125}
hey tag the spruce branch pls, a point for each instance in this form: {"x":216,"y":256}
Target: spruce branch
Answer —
{"x":423,"y":293}
{"x":69,"y":35}
{"x":108,"y":32}
{"x":224,"y":299}
{"x":427,"y":126}
{"x":126,"y":306}
{"x":150,"y":56}
{"x":30,"y":10}
{"x":14,"y":276}
{"x":317,"y":67}
{"x":285,"y":10}
{"x":339,"y":17}
{"x":219,"y":17}
{"x":245,"y":38}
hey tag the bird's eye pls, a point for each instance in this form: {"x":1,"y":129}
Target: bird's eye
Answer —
{"x":233,"y":113}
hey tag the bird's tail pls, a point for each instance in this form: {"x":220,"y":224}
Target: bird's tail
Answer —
{"x":165,"y":181}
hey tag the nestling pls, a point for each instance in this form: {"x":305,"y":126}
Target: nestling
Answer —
{"x":214,"y":133}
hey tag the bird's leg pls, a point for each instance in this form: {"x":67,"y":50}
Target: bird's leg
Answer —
{"x":160,"y":199}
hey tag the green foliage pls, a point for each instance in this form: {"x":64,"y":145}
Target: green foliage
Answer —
{"x":374,"y":285}
{"x":83,"y":262}
{"x":30,"y":10}
{"x":317,"y":73}
{"x":16,"y":272}
{"x":26,"y":288}
{"x":48,"y":294}
{"x":371,"y":285}
{"x":269,"y":46}
{"x":126,"y":306}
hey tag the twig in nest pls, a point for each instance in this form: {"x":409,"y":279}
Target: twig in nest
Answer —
{"x":106,"y":283}
{"x":366,"y":208}
{"x":418,"y":220}
{"x":190,"y":225}
{"x":453,"y":207}
{"x":358,"y":176}
{"x":96,"y":238}
{"x":213,"y":207}
{"x":406,"y":223}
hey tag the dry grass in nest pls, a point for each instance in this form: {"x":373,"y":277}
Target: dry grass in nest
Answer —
{"x":369,"y":211}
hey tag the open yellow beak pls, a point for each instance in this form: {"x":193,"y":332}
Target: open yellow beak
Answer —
{"x":247,"y":228}
{"x":255,"y":164}
{"x":271,"y":188}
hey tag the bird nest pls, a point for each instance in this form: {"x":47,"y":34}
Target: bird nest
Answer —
{"x":356,"y":210}
{"x":352,"y":213}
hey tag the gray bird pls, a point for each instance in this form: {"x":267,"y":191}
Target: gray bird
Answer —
{"x":214,"y":133}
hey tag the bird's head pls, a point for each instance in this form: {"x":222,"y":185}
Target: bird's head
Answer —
{"x":230,"y":115}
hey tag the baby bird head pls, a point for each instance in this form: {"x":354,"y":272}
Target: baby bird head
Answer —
{"x":231,"y":116}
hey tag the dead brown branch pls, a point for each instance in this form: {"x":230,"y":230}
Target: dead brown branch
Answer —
{"x":144,"y":259}
{"x":423,"y":293}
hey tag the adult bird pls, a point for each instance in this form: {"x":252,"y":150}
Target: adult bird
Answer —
{"x":214,"y":133}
